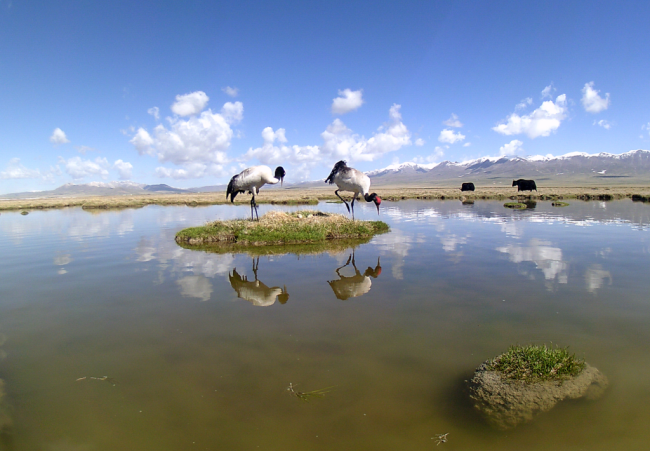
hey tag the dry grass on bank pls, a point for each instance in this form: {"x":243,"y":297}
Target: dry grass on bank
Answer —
{"x":311,"y":196}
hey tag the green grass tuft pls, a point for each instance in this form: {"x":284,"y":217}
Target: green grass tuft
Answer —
{"x":515,"y":205}
{"x":536,"y":363}
{"x":274,"y":228}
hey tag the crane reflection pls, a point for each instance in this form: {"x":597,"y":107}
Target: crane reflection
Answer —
{"x":254,"y":291}
{"x":353,"y":286}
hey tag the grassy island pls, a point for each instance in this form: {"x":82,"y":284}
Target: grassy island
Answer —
{"x":536,"y":363}
{"x":278,"y":228}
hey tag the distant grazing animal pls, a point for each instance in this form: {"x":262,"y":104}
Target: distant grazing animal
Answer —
{"x":357,"y":285}
{"x":524,"y":185}
{"x":467,"y":187}
{"x":349,"y":179}
{"x":256,"y":292}
{"x":251,"y":180}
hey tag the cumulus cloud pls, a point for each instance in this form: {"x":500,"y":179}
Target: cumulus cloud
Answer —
{"x":419,"y":142}
{"x":155,"y":112}
{"x":603,"y":123}
{"x":347,"y":101}
{"x":453,"y":121}
{"x":591,"y":99}
{"x":77,"y":168}
{"x":525,"y":103}
{"x":547,"y":92}
{"x":512,"y":148}
{"x":15,"y":170}
{"x":274,"y":152}
{"x":198,"y":144}
{"x":83,"y":149}
{"x":232,"y":92}
{"x":467,"y":144}
{"x":341,"y":143}
{"x":434,"y":157}
{"x":541,"y":122}
{"x":448,"y":136}
{"x":190,"y":104}
{"x":233,"y":113}
{"x":124,"y":169}
{"x":58,"y":137}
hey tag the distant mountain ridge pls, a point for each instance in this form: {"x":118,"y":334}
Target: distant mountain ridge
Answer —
{"x":577,"y":167}
{"x":633,"y":166}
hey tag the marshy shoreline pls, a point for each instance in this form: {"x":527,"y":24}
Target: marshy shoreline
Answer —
{"x":311,"y":196}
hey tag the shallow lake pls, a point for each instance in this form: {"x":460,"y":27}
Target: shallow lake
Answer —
{"x":198,"y":355}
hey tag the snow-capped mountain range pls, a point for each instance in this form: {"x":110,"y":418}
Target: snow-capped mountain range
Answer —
{"x":632,"y":167}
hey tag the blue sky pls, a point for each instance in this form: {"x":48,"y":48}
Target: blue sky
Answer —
{"x":188,"y":93}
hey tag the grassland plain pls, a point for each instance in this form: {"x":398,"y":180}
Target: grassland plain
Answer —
{"x":311,"y":196}
{"x":276,"y":227}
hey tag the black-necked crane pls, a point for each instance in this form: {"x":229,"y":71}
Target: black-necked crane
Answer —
{"x":251,"y":180}
{"x":349,"y":179}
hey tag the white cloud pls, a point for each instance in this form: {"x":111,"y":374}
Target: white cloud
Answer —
{"x":603,"y":123}
{"x":592,"y":102}
{"x":548,"y":92}
{"x":155,"y":112}
{"x":15,"y":170}
{"x":192,"y":170}
{"x":124,"y":169}
{"x":303,"y":158}
{"x":339,"y":143}
{"x":512,"y":148}
{"x":419,"y":142}
{"x":541,"y":122}
{"x":77,"y":168}
{"x":347,"y":101}
{"x":434,"y":157}
{"x":232,"y":92}
{"x":233,"y":113}
{"x":190,"y":104}
{"x":467,"y":144}
{"x":142,"y":141}
{"x":83,"y":149}
{"x":448,"y":136}
{"x":198,"y":143}
{"x":453,"y":121}
{"x":58,"y":137}
{"x":524,"y":104}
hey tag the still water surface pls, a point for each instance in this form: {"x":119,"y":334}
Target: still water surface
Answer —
{"x":199,"y":356}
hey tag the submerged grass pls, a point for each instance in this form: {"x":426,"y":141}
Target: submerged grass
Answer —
{"x":536,"y":363}
{"x":307,"y":396}
{"x":277,"y":228}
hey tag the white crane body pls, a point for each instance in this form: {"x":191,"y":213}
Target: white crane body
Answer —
{"x":251,"y":180}
{"x":354,"y":181}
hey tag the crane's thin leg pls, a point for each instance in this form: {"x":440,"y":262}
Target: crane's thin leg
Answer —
{"x":353,"y":199}
{"x":341,"y":267}
{"x":256,"y":264}
{"x":346,"y":204}
{"x":254,"y":207}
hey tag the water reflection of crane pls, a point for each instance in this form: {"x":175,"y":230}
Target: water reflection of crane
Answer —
{"x":358,"y":284}
{"x":256,"y":292}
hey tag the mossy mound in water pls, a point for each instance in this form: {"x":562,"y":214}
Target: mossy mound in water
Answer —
{"x":281,"y":228}
{"x":527,"y":380}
